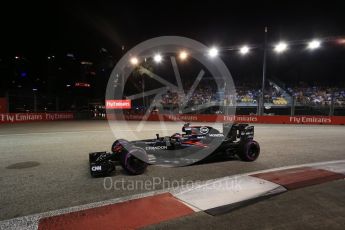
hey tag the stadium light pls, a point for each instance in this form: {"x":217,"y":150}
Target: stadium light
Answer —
{"x":183,"y":55}
{"x":280,"y":47}
{"x":244,"y":50}
{"x":157,"y":58}
{"x":213,"y":52}
{"x":134,"y":61}
{"x":314,"y":44}
{"x":341,"y":41}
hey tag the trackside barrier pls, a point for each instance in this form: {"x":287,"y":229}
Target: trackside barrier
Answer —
{"x":32,"y":117}
{"x":3,"y":105}
{"x":309,"y":120}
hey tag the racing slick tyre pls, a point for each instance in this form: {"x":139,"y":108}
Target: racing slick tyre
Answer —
{"x":250,"y":151}
{"x":120,"y":144}
{"x":134,"y":160}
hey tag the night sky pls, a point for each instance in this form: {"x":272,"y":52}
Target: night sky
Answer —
{"x":39,"y":29}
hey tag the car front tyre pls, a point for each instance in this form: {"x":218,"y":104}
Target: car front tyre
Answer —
{"x":134,"y":161}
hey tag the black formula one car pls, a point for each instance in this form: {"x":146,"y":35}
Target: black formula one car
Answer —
{"x":196,"y":143}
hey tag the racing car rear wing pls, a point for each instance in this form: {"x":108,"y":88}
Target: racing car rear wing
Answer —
{"x":238,"y":131}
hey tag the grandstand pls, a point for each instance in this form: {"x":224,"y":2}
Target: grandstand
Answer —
{"x":277,"y":100}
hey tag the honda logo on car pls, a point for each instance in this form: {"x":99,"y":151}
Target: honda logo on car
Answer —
{"x":118,"y":104}
{"x":156,"y":147}
{"x":96,"y":168}
{"x":216,"y":135}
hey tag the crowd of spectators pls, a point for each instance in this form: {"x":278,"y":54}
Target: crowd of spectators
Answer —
{"x":246,"y":95}
{"x":312,"y":96}
{"x":171,"y":99}
{"x":318,"y":96}
{"x":205,"y":95}
{"x":249,"y":95}
{"x":201,"y":95}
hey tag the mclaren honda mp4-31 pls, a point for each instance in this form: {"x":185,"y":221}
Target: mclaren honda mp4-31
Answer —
{"x":194,"y":144}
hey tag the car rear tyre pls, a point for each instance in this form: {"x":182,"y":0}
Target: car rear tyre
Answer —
{"x":250,"y":151}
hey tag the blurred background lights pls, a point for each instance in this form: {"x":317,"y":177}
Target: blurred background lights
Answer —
{"x":183,"y":55}
{"x":244,"y":50}
{"x":280,"y":47}
{"x":158,"y":58}
{"x":213,"y":52}
{"x":314,"y":44}
{"x":134,"y":61}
